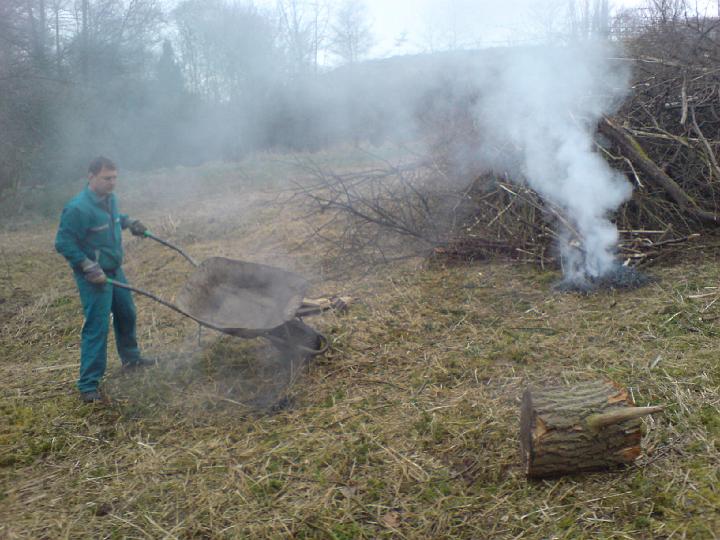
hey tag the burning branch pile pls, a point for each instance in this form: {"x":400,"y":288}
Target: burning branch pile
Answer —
{"x":514,"y":221}
{"x":664,"y":138}
{"x":552,"y":176}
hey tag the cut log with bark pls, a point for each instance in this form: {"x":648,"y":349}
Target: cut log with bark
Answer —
{"x":587,"y":427}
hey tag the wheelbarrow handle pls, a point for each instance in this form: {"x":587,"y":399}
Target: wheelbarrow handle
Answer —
{"x":165,"y":243}
{"x":152,"y":296}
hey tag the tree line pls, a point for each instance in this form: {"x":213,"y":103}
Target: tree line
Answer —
{"x":157,"y":85}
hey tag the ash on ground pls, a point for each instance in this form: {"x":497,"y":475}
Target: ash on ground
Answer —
{"x":620,"y":277}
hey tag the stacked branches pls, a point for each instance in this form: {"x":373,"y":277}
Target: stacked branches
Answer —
{"x":395,"y":212}
{"x":665,"y":139}
{"x":361,"y":207}
{"x":668,"y":131}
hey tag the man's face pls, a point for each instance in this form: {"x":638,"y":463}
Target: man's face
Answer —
{"x":103,"y":182}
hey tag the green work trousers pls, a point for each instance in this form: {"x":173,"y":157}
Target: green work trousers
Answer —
{"x":98,"y":302}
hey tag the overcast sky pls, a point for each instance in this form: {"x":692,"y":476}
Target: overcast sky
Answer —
{"x":405,"y":26}
{"x":411,"y":26}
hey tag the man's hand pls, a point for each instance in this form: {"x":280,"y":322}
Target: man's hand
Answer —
{"x":137,"y":228}
{"x":93,"y":273}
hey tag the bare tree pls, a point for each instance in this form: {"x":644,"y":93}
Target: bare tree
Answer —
{"x":303,"y":32}
{"x":588,"y":18}
{"x":225,"y":48}
{"x":351,"y":35}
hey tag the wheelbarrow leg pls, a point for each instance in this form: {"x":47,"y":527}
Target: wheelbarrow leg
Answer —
{"x":297,"y":343}
{"x":297,"y":338}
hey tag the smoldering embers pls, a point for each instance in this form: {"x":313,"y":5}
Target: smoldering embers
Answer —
{"x":618,"y":277}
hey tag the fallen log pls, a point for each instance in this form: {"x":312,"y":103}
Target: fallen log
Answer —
{"x":587,"y":427}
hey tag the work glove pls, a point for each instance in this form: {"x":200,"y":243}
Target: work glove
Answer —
{"x":137,"y":228}
{"x":93,"y":273}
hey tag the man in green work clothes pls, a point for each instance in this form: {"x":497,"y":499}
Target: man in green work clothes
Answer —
{"x":89,"y":237}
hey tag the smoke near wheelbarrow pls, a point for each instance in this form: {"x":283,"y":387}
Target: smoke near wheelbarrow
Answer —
{"x":538,"y":110}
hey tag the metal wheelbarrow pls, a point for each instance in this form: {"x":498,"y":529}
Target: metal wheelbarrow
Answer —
{"x":246,"y":300}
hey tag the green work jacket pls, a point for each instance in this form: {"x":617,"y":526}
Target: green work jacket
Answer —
{"x":91,"y":228}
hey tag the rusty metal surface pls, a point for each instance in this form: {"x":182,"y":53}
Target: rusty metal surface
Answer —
{"x":230,"y":294}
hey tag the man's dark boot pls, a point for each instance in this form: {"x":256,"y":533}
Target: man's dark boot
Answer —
{"x":146,"y":362}
{"x":141,"y":362}
{"x":91,"y":397}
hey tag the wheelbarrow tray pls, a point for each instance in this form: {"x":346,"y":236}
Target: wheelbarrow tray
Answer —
{"x":241,"y":298}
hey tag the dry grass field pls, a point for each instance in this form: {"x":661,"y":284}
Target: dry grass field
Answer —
{"x":408,"y":426}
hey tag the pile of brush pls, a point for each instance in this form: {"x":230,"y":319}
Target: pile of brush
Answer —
{"x":514,"y":221}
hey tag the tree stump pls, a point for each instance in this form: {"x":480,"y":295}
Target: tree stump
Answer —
{"x":587,"y":427}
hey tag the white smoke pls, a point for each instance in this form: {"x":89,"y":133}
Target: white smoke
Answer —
{"x":538,"y":109}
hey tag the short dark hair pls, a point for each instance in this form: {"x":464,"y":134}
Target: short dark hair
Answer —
{"x":100,"y":163}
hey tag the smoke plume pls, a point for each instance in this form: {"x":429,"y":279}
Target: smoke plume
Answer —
{"x":538,"y":110}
